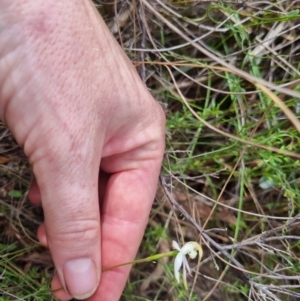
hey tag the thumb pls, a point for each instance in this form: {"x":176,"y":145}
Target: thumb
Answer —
{"x":68,"y":185}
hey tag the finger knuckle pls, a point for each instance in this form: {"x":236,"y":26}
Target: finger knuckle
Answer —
{"x":77,"y":232}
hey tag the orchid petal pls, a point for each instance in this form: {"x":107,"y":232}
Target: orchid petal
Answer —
{"x":184,"y":276}
{"x":193,"y":254}
{"x":186,"y":265}
{"x":191,"y":248}
{"x":177,"y":265}
{"x":175,"y":245}
{"x":188,"y":247}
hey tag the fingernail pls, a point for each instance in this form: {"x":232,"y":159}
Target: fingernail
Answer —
{"x":80,"y":277}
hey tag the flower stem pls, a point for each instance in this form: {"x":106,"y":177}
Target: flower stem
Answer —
{"x":147,"y":259}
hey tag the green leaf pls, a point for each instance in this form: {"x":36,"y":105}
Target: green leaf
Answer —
{"x":15,"y":193}
{"x":294,"y":12}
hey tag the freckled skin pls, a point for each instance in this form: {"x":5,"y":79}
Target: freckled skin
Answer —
{"x":75,"y":103}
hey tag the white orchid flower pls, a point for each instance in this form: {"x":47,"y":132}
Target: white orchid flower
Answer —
{"x":191,"y":248}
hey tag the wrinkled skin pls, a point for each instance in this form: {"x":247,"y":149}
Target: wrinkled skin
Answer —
{"x":75,"y":103}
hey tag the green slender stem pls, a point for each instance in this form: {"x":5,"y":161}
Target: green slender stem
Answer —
{"x":147,"y":259}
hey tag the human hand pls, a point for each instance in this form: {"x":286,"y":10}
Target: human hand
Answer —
{"x":74,"y":102}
